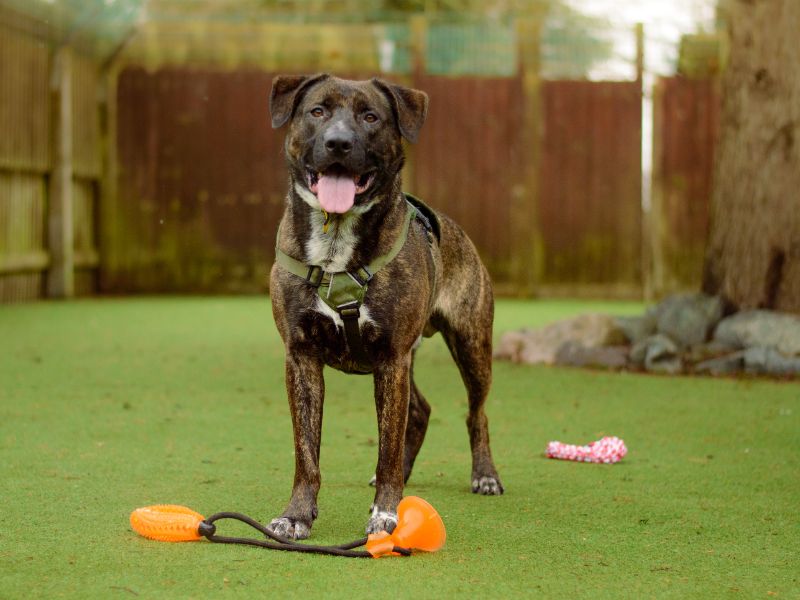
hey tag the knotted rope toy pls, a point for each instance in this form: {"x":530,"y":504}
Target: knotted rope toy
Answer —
{"x":419,"y":527}
{"x":606,"y":450}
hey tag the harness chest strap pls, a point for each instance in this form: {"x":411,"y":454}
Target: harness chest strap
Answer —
{"x":344,"y":291}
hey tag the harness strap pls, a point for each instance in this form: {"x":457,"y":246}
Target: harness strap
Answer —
{"x":352,"y":334}
{"x":344,"y":291}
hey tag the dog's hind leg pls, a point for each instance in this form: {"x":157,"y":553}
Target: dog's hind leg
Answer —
{"x":472,"y":352}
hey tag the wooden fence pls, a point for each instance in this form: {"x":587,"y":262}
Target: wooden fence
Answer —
{"x":200,"y":184}
{"x":686,"y":123}
{"x":28,"y":99}
{"x":193,"y":186}
{"x":469,"y":163}
{"x":590,"y":214}
{"x":202,"y":180}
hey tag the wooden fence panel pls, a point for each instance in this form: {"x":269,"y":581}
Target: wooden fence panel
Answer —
{"x":24,"y":102}
{"x":87,"y":259}
{"x":202,"y":179}
{"x":201,"y":183}
{"x":24,"y":162}
{"x":26,"y":156}
{"x":468,"y":160}
{"x":22,"y":236}
{"x":590,"y":186}
{"x":686,"y":123}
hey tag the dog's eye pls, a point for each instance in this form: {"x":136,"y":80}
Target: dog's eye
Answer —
{"x":371,"y":117}
{"x":317,"y":111}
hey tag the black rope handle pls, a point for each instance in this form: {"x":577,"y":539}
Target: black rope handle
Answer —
{"x":208,"y":530}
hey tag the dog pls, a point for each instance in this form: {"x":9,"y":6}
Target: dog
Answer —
{"x":400,"y":271}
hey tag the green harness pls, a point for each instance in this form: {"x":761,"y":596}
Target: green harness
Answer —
{"x":344,"y":291}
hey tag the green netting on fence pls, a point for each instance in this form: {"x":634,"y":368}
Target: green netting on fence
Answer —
{"x":445,"y":37}
{"x":471,"y":49}
{"x":98,"y":26}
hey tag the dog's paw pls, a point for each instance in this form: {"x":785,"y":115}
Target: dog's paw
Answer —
{"x":373,"y":481}
{"x":381,"y":520}
{"x":487,"y":486}
{"x":290,"y":529}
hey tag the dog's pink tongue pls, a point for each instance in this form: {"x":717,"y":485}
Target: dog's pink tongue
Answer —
{"x":336,"y":194}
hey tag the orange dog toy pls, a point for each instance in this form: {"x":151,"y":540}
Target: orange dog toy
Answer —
{"x":419,"y":527}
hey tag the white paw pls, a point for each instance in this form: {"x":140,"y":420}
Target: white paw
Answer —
{"x":289,"y":528}
{"x":487,"y":486}
{"x":373,"y":481}
{"x":381,"y":520}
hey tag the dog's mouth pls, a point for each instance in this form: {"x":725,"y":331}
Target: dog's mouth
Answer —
{"x":336,"y":188}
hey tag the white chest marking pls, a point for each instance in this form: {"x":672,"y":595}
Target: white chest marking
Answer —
{"x":307,"y":197}
{"x":363,"y":317}
{"x":333,"y":250}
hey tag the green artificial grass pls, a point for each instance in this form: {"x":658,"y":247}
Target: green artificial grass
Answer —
{"x":111,"y":404}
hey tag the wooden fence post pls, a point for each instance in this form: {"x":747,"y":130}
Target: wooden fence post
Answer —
{"x":61,"y":276}
{"x":418,"y":32}
{"x":647,"y":249}
{"x":528,"y":260}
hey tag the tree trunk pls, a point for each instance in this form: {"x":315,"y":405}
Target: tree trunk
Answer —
{"x":753,"y":255}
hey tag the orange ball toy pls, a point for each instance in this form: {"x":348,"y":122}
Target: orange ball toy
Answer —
{"x":167,"y":523}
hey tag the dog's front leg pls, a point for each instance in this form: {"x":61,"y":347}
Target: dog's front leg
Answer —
{"x":306,"y":389}
{"x":391,"y":400}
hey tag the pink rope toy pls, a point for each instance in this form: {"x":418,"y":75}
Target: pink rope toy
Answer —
{"x":605,"y":450}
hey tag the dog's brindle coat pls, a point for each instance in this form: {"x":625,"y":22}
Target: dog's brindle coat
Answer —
{"x":355,"y":127}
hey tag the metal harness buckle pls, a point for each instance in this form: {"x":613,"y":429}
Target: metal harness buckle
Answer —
{"x":349,"y":311}
{"x":361,"y":276}
{"x":315,"y":275}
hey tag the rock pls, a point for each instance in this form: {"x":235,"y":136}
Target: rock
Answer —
{"x":688,"y":318}
{"x":636,"y":329}
{"x":722,"y":365}
{"x":761,"y":328}
{"x":638,"y":352}
{"x":541,"y":345}
{"x":755,"y":361}
{"x":574,"y":354}
{"x":657,"y":353}
{"x":707,"y":351}
{"x":768,"y":361}
{"x":510,"y":346}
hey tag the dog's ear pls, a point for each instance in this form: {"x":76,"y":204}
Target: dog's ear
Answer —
{"x":410,"y":107}
{"x":287,"y":90}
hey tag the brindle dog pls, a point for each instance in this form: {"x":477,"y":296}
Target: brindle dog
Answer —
{"x":344,"y":208}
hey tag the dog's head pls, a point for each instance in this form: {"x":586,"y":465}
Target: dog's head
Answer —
{"x":344,"y":140}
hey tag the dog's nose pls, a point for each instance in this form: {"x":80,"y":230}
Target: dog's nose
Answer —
{"x":339,"y":142}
